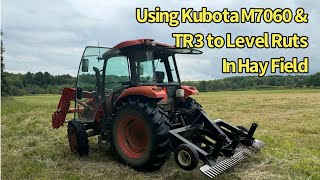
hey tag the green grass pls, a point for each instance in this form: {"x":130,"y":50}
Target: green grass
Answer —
{"x":289,"y":122}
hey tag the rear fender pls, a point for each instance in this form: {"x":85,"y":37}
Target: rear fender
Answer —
{"x":153,"y":93}
{"x":189,"y":90}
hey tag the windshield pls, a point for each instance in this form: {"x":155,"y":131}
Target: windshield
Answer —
{"x":146,"y":66}
{"x":158,"y":65}
{"x":154,"y":71}
{"x":153,"y":68}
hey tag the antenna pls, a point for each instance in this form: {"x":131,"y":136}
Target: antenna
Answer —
{"x":99,"y":50}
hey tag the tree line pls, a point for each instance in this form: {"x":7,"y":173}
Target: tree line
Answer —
{"x":35,"y":83}
{"x":45,"y":83}
{"x":253,"y":82}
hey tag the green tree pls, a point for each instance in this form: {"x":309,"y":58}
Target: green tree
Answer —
{"x":4,"y":87}
{"x":46,"y":79}
{"x":28,"y":79}
{"x":314,"y":80}
{"x":2,"y":51}
{"x":39,"y":79}
{"x":203,"y":86}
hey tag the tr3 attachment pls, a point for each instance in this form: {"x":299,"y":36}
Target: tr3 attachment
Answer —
{"x":218,"y":144}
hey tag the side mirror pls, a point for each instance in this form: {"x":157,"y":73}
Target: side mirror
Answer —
{"x":141,"y":70}
{"x":85,"y":65}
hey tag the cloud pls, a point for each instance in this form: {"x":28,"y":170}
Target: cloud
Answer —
{"x":50,"y":35}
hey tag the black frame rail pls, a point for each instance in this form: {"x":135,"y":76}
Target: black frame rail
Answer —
{"x":211,"y":139}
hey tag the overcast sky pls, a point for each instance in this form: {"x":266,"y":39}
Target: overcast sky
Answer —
{"x":43,"y":35}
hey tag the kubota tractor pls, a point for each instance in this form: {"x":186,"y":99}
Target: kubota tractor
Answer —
{"x":131,"y":96}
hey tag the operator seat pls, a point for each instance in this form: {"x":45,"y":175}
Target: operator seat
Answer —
{"x":159,"y":76}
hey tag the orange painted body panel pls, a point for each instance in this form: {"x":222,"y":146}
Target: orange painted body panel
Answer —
{"x":59,"y":116}
{"x":138,"y":42}
{"x":148,"y":91}
{"x":190,"y":90}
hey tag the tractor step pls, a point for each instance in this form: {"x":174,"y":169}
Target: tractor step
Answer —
{"x":224,"y":163}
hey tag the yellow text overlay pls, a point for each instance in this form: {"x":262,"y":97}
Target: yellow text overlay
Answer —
{"x":261,"y":67}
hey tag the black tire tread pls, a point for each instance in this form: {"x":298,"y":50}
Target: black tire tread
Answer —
{"x":194,"y":155}
{"x":82,"y":137}
{"x":190,"y":104}
{"x":158,"y":119}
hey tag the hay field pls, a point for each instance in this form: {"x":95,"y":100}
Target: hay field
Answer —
{"x":289,"y":122}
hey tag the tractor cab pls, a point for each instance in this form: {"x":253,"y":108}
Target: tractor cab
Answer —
{"x":108,"y":72}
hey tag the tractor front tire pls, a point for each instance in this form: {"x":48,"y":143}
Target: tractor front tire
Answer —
{"x":78,"y":139}
{"x":140,"y":135}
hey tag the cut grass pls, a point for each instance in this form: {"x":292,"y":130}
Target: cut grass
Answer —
{"x":289,"y":122}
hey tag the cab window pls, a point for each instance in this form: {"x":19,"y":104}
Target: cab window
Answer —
{"x":117,"y":72}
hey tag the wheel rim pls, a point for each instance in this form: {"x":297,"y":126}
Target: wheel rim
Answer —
{"x":132,"y":137}
{"x":184,"y":158}
{"x":73,"y":141}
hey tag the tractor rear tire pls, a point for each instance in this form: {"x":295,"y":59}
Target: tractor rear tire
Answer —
{"x":140,"y":135}
{"x":190,"y":104}
{"x":78,"y":138}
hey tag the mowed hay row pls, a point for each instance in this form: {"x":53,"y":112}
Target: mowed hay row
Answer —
{"x":289,"y":122}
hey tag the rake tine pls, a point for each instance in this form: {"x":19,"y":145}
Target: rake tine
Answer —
{"x":227,"y":163}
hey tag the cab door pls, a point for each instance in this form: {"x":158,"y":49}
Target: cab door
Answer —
{"x":89,"y":84}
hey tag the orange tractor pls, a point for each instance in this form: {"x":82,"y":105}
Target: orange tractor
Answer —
{"x":131,"y":96}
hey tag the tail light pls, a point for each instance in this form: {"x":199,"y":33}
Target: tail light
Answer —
{"x":157,"y":89}
{"x":180,"y":93}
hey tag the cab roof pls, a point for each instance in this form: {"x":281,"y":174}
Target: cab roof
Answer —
{"x":129,"y":43}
